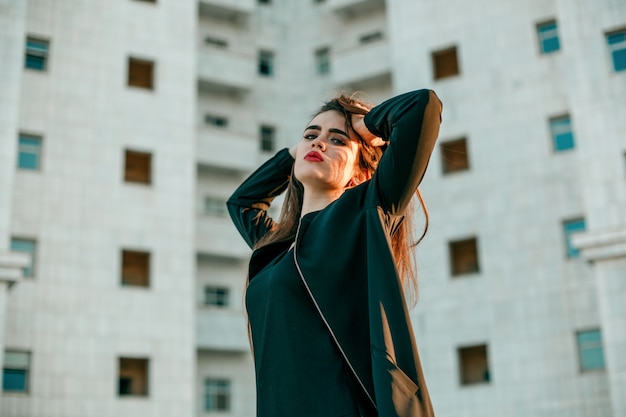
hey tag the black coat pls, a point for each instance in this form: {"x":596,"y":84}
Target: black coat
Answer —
{"x":347,"y":264}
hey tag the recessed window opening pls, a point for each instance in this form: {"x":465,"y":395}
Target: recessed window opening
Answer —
{"x":135,"y":268}
{"x":215,"y":120}
{"x":215,"y":206}
{"x":590,"y":350}
{"x":322,"y":60}
{"x":561,"y":131}
{"x":445,"y":63}
{"x":141,"y":73}
{"x":217,"y":394}
{"x":138,"y":167}
{"x":216,"y":296}
{"x":473,"y":365}
{"x":617,"y":48}
{"x":133,"y":377}
{"x":569,"y":228}
{"x":371,"y":37}
{"x":464,"y":256}
{"x":266,"y":63}
{"x":16,"y":371}
{"x":29,"y":152}
{"x":454,"y":157}
{"x":267,"y":138}
{"x":216,"y":42}
{"x":28,"y":246}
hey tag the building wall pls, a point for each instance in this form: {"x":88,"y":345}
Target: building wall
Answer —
{"x":528,"y":299}
{"x":74,"y":316}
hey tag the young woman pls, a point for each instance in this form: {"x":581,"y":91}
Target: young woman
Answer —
{"x":330,"y":329}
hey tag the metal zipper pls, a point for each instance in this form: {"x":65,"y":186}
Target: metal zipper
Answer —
{"x":332,"y":334}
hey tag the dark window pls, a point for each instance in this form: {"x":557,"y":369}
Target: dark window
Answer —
{"x":617,"y":48}
{"x":322,"y":60}
{"x":267,"y":136}
{"x":217,"y":42}
{"x":135,"y":268}
{"x":216,"y":296}
{"x":454,"y":156}
{"x":140,"y":73}
{"x":217,"y":395}
{"x":266,"y":63}
{"x":15,"y":371}
{"x":445,"y":63}
{"x":464,"y":256}
{"x":562,"y":135}
{"x":138,"y":167}
{"x":371,"y":37}
{"x":147,"y":1}
{"x":590,"y":351}
{"x":215,"y":206}
{"x":214,"y":120}
{"x":36,"y":54}
{"x":133,"y":377}
{"x":473,"y":365}
{"x":265,"y":1}
{"x":548,"y":36}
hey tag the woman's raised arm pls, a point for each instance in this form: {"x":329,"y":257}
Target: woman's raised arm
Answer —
{"x":410,"y":124}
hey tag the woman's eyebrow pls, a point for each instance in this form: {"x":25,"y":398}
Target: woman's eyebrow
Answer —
{"x":332,"y":129}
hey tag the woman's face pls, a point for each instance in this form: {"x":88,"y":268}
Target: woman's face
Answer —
{"x":327,"y":156}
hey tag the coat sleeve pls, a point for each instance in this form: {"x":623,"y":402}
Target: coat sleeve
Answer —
{"x":410,"y":124}
{"x":249,"y":203}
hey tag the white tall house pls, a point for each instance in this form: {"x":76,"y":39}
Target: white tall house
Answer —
{"x":125,"y":126}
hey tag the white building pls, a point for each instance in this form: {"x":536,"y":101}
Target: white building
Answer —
{"x":124,"y":126}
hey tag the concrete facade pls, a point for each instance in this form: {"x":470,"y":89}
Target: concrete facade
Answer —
{"x":202,"y":124}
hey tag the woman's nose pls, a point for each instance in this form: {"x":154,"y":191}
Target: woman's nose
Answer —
{"x":319,"y":143}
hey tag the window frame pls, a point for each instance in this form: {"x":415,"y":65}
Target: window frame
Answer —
{"x":34,"y":52}
{"x":267,"y":134}
{"x":216,"y":391}
{"x":134,"y":60}
{"x":145,"y":257}
{"x":33,"y":255}
{"x":144,"y":363}
{"x":455,"y":271}
{"x":449,"y":166}
{"x":322,"y":60}
{"x":555,"y":133}
{"x":613,"y":49}
{"x":221,"y":296}
{"x":26,"y":369}
{"x":266,"y":63}
{"x":129,"y":177}
{"x":545,"y":33}
{"x":464,"y":380}
{"x":580,"y":350}
{"x":438,"y":66}
{"x":38,"y":155}
{"x":570,"y":251}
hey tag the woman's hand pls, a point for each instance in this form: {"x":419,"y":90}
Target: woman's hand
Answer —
{"x":358,"y":124}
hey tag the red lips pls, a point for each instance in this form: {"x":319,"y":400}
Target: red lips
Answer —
{"x":313,"y":157}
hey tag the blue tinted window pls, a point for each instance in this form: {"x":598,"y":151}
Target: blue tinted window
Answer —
{"x":617,"y":48}
{"x":590,"y":350}
{"x":29,"y":152}
{"x":548,"y":37}
{"x":36,"y":54}
{"x":27,"y":246}
{"x":570,"y":227}
{"x":14,"y":380}
{"x":562,"y":136}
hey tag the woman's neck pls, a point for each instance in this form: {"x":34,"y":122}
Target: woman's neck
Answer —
{"x":318,"y":200}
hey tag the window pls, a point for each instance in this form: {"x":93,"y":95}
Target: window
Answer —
{"x":371,"y":37}
{"x":135,"y":268}
{"x":464,"y":256}
{"x":267,"y":134}
{"x":215,"y":206}
{"x":265,"y":2}
{"x":29,"y":152}
{"x":217,"y":42}
{"x":548,"y":36}
{"x":216,"y":296}
{"x":15,"y":371}
{"x":138,"y":167}
{"x":132,"y":377}
{"x":561,"y":131}
{"x":147,"y":1}
{"x":36,"y":54}
{"x":322,"y":60}
{"x":590,"y":350}
{"x":26,"y":246}
{"x":617,"y":48}
{"x":445,"y":63}
{"x":140,"y":73}
{"x":570,"y":227}
{"x":214,"y":120}
{"x":473,"y":365}
{"x":216,"y":395}
{"x":454,"y":156}
{"x":266,"y":63}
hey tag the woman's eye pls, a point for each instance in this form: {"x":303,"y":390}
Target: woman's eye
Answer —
{"x":340,"y":142}
{"x":309,"y":137}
